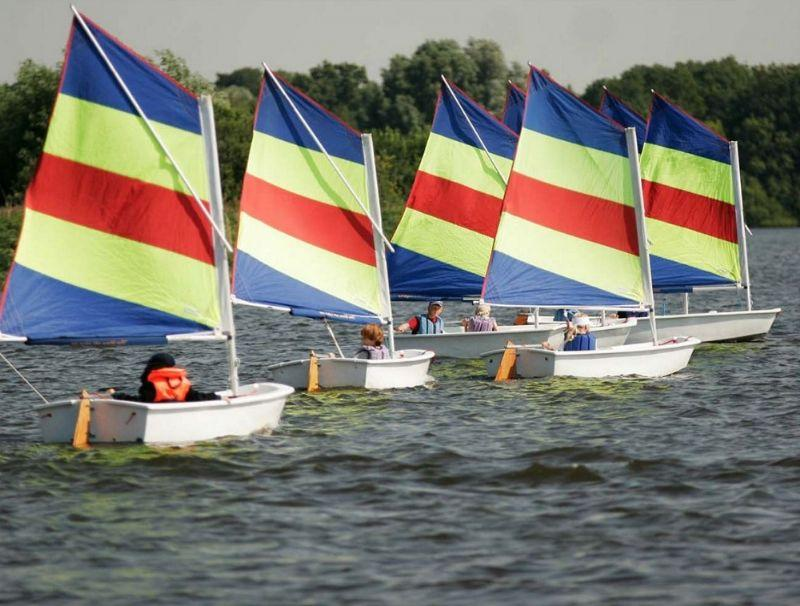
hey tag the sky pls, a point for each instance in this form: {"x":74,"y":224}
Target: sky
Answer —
{"x":578,"y":41}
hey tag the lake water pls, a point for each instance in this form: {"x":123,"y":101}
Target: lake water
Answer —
{"x":684,"y":490}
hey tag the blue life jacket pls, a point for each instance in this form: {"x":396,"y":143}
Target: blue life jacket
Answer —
{"x":426,"y":327}
{"x":581,"y":343}
{"x":562,"y":315}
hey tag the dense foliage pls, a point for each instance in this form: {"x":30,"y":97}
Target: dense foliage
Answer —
{"x":757,"y":105}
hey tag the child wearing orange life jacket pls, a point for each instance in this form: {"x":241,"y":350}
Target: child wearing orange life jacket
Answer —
{"x":162,"y":381}
{"x":372,"y":347}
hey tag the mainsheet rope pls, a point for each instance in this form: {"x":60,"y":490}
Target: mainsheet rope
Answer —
{"x":21,"y":376}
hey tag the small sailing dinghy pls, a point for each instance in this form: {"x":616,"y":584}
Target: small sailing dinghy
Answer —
{"x":695,"y":221}
{"x":310,"y":238}
{"x":572,"y":234}
{"x":444,"y":238}
{"x":118,"y":247}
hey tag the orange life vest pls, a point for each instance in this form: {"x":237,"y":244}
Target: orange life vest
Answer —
{"x":171,"y":384}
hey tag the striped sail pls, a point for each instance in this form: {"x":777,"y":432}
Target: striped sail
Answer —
{"x":304,"y":243}
{"x":688,"y":190}
{"x":616,"y":109}
{"x":113,"y":247}
{"x":567,"y":235}
{"x":444,"y":238}
{"x":514,"y":108}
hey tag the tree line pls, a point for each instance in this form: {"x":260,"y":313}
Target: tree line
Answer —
{"x":757,"y":105}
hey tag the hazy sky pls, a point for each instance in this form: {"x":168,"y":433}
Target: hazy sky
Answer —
{"x":577,"y":40}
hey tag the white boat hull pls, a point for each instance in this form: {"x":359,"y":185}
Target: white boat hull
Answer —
{"x":465,"y":345}
{"x":709,"y":326}
{"x":258,"y":407}
{"x":643,"y":359}
{"x":409,"y":368}
{"x":605,"y":336}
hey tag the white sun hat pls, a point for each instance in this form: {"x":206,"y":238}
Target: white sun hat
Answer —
{"x":582,"y":321}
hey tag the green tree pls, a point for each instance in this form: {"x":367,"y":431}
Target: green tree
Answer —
{"x":246,"y":77}
{"x":178,"y":69}
{"x":397,"y":156}
{"x":345,"y":89}
{"x":25,"y":107}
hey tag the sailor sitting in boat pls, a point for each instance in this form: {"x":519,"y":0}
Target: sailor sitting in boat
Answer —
{"x":481,"y":321}
{"x":372,"y":347}
{"x":161,"y":381}
{"x":577,"y":336}
{"x":429,"y":324}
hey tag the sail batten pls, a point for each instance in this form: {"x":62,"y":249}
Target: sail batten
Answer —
{"x":304,"y":242}
{"x":691,"y":216}
{"x":567,"y":233}
{"x":444,"y":238}
{"x":113,"y":247}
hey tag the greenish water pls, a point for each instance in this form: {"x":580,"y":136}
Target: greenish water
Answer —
{"x":683,"y":490}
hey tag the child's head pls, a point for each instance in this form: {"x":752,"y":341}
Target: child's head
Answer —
{"x":372,"y":334}
{"x":483,"y":310}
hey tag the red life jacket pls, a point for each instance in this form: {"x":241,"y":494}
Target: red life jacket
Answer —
{"x":171,"y":384}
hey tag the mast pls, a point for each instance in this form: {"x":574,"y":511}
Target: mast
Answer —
{"x":220,"y":254}
{"x":373,"y":197}
{"x":641,"y":229}
{"x":740,"y":226}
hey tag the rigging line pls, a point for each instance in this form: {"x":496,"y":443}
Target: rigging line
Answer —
{"x":21,"y":376}
{"x":333,"y":336}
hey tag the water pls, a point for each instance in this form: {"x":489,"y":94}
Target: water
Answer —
{"x":684,"y":490}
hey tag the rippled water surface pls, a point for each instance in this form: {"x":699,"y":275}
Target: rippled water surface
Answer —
{"x":684,"y":490}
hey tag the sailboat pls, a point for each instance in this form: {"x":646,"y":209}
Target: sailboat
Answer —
{"x":444,"y":238}
{"x":118,"y":245}
{"x":310,"y":237}
{"x":695,"y":221}
{"x":572,"y":234}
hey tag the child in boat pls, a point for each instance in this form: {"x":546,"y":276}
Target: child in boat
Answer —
{"x":577,"y":336}
{"x":372,"y":347}
{"x":481,"y":321}
{"x":429,"y":324}
{"x":162,"y":381}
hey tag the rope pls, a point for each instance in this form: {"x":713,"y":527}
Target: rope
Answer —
{"x":21,"y":376}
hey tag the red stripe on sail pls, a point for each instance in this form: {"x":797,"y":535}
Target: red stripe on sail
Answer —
{"x":455,"y":203}
{"x":692,"y":211}
{"x":121,"y":206}
{"x":570,"y":212}
{"x":334,"y":229}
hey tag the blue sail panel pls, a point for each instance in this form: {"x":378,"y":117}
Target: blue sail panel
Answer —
{"x":671,"y":276}
{"x":509,"y":283}
{"x":514,"y":109}
{"x":276,"y":117}
{"x":416,"y":276}
{"x":449,"y":121}
{"x":47,"y":310}
{"x":618,"y":110}
{"x":258,"y":283}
